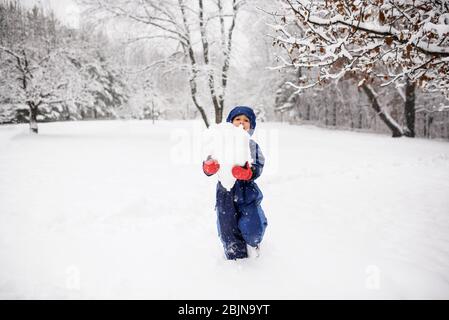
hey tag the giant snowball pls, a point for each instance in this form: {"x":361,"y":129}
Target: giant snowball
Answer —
{"x":229,"y":145}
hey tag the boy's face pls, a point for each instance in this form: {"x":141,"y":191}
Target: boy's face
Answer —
{"x":242,"y":120}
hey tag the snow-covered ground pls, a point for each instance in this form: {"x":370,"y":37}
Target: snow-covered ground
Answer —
{"x":122,"y":209}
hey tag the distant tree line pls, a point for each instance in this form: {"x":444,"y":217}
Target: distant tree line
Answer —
{"x":50,"y":72}
{"x":344,"y":105}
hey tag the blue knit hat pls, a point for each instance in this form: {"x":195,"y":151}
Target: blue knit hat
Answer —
{"x":247,"y":111}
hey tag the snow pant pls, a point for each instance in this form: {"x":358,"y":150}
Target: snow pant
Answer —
{"x":239,"y":224}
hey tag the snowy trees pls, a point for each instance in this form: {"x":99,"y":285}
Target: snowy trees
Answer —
{"x":102,"y":82}
{"x":202,"y":29}
{"x":34,"y":81}
{"x":347,"y":63}
{"x":27,"y":57}
{"x":410,"y":38}
{"x":57,"y":72}
{"x":379,"y":43}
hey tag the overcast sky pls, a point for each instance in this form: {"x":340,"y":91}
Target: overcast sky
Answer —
{"x":66,"y":10}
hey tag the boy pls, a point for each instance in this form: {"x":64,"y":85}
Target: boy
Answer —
{"x":241,"y":220}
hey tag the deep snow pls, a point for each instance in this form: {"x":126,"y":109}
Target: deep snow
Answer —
{"x":122,"y":209}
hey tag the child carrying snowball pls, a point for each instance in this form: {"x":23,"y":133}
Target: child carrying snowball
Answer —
{"x":241,"y":220}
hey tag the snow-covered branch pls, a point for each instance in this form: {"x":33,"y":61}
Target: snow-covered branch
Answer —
{"x":410,"y":38}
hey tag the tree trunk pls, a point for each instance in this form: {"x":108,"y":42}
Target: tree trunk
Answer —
{"x":360,"y":120}
{"x":227,"y":47}
{"x":385,"y":117}
{"x":334,"y":123}
{"x":33,"y":117}
{"x":193,"y":65}
{"x":428,"y":124}
{"x":193,"y":92}
{"x":219,"y":115}
{"x":425,"y":125}
{"x":211,"y":78}
{"x":326,"y":113}
{"x":410,"y":108}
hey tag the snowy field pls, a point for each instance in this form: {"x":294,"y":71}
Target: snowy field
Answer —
{"x":122,"y":209}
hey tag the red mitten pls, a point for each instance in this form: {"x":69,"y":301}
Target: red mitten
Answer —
{"x":211,"y":166}
{"x":242,"y":173}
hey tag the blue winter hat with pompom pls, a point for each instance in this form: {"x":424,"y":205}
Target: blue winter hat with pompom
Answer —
{"x":247,"y":111}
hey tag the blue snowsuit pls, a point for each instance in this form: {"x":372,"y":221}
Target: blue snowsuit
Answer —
{"x":240,"y":218}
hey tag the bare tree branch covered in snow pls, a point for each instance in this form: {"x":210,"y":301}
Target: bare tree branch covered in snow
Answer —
{"x":411,"y":38}
{"x":186,"y":23}
{"x":404,"y":43}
